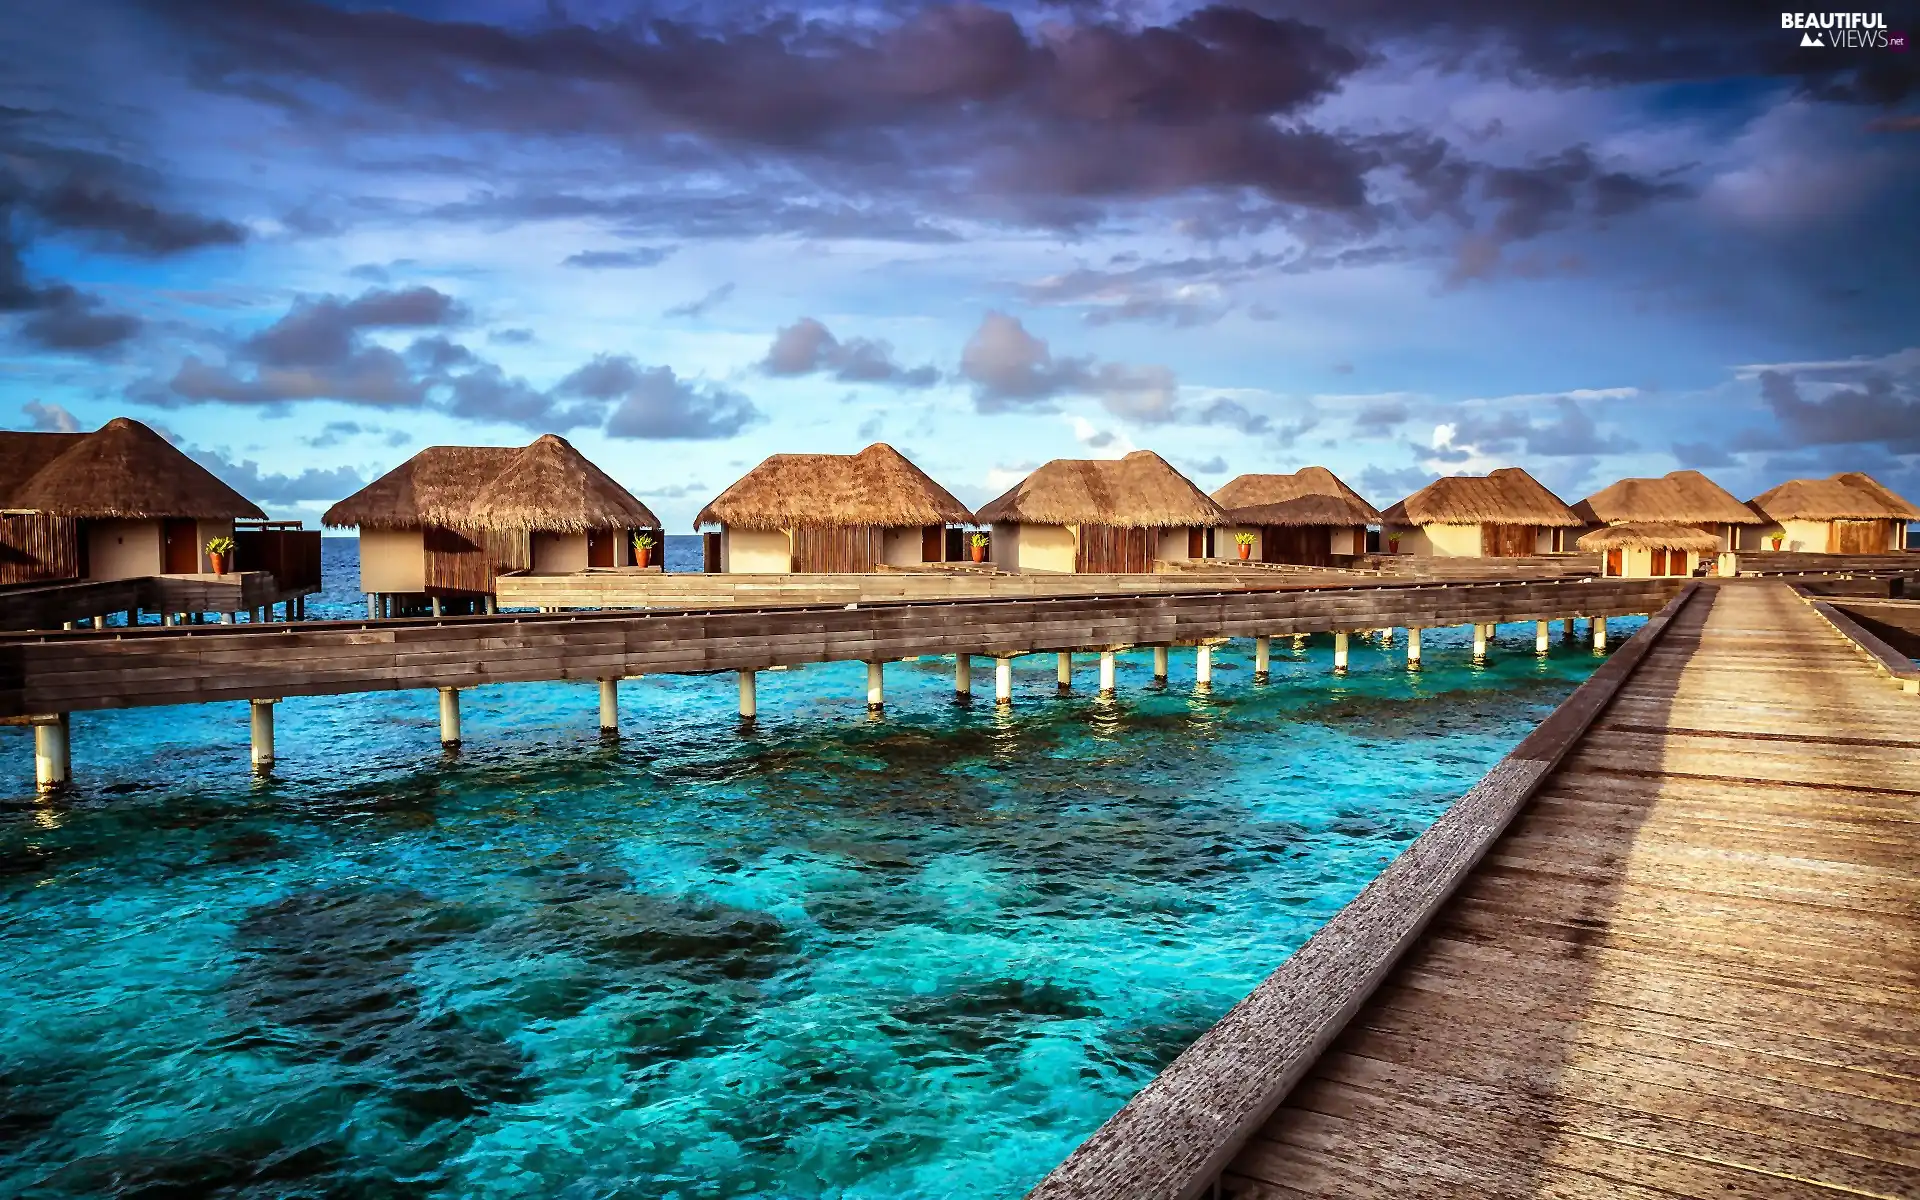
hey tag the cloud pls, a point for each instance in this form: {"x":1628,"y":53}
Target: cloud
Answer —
{"x":64,"y":319}
{"x":1012,"y":370}
{"x":490,"y":394}
{"x":1380,"y":417}
{"x":1385,"y":486}
{"x":807,"y":347}
{"x":269,"y":488}
{"x":49,"y":418}
{"x":653,"y":402}
{"x":127,"y":224}
{"x":699,"y":307}
{"x":1875,"y":411}
{"x":1234,"y":415}
{"x":511,"y":337}
{"x":1571,"y":432}
{"x":1702,"y":455}
{"x":645,"y":256}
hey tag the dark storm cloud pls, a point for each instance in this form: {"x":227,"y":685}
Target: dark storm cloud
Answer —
{"x":645,"y":256}
{"x":806,"y":347}
{"x":129,"y":224}
{"x":57,"y":316}
{"x":1876,"y":410}
{"x":653,"y":402}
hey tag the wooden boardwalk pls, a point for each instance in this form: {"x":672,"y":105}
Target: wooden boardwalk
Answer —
{"x":1691,"y":967}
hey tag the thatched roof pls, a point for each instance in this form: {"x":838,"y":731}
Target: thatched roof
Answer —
{"x":1309,"y":496}
{"x":1650,"y":535}
{"x":547,"y":486}
{"x":1508,"y":496}
{"x":1140,"y":491}
{"x":877,"y":486}
{"x":123,"y":470}
{"x":1848,"y":496}
{"x":1685,"y":496}
{"x":551,"y":486}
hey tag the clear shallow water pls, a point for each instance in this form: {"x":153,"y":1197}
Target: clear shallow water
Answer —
{"x":833,"y":957}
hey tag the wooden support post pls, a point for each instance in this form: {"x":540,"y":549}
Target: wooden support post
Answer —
{"x":373,"y":606}
{"x":749,"y":701}
{"x":963,"y":676}
{"x":1566,"y":627}
{"x":1063,"y":670}
{"x":1106,"y":673}
{"x":261,"y":726}
{"x":1599,"y":632}
{"x":299,"y":608}
{"x":1479,"y":641}
{"x":133,"y":617}
{"x":449,"y":716}
{"x":259,"y":614}
{"x":1160,"y":664}
{"x":435,"y":600}
{"x":1003,"y":681}
{"x":51,"y":770}
{"x":876,"y":686}
{"x":1541,"y":632}
{"x":1203,"y":665}
{"x":1340,"y":643}
{"x":493,"y":604}
{"x":1413,"y":648}
{"x":609,"y":706}
{"x":1262,"y":658}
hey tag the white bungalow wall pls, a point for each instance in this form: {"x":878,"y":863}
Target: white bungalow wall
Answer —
{"x":393,"y":560}
{"x":756,"y":551}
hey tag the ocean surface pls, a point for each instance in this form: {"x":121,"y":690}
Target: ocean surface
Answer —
{"x":827,"y":956}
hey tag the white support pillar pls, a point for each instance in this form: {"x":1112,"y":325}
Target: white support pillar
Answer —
{"x":749,"y":698}
{"x":373,"y":606}
{"x":226,"y":618}
{"x":166,"y":618}
{"x":260,"y":725}
{"x":1541,"y":631}
{"x":1160,"y":664}
{"x":69,"y":625}
{"x":609,"y":706}
{"x":1106,"y":673}
{"x":876,"y":686}
{"x":1413,"y":648}
{"x":449,"y":716}
{"x":1003,"y":681}
{"x":1341,"y":643}
{"x":1262,"y":657}
{"x":1063,"y":669}
{"x":436,"y":605}
{"x":963,"y":675}
{"x":259,"y":614}
{"x":1599,"y":632}
{"x":1203,"y":665}
{"x":51,"y":760}
{"x":1479,"y":641}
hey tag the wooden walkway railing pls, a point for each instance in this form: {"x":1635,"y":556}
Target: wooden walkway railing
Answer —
{"x":1690,"y":966}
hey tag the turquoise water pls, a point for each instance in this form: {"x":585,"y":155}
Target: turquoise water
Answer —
{"x":829,"y":956}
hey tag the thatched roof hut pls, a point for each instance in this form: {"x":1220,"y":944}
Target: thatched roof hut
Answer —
{"x":1309,"y":496}
{"x":878,"y":486}
{"x":1650,"y":535}
{"x":1140,"y":491}
{"x":1848,"y":496}
{"x":1687,"y":497}
{"x":1508,"y":496}
{"x":121,"y":471}
{"x":552,"y":487}
{"x":547,"y":486}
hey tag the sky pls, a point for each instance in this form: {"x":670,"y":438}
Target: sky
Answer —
{"x":1397,"y":238}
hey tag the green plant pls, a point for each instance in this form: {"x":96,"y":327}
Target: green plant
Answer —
{"x":1243,"y":539}
{"x":643,"y":541}
{"x":221,"y":545}
{"x":978,"y":539}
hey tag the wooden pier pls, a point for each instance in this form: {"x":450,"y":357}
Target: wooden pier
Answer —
{"x":1670,"y":947}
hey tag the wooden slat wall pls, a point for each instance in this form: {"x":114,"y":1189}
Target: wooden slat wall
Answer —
{"x":1114,"y":549}
{"x":35,"y":548}
{"x":60,"y":672}
{"x":836,"y":548}
{"x":466,"y":561}
{"x":291,"y":556}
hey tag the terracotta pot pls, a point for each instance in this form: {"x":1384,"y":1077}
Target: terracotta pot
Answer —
{"x":1246,"y":552}
{"x":979,"y":554}
{"x":218,"y":562}
{"x":642,"y":555}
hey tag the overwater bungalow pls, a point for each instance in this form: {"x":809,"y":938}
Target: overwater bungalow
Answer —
{"x":442,"y":526}
{"x":1644,"y":549}
{"x":1304,"y":518}
{"x":1101,"y":515}
{"x":1677,"y":498}
{"x":1848,"y":513}
{"x":834,"y":513}
{"x":118,"y":503}
{"x":1504,"y":514}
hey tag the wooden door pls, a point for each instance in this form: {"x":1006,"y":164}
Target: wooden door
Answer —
{"x":182,"y":547}
{"x":1613,"y":562}
{"x":1112,"y":549}
{"x":933,"y":545}
{"x":1196,"y":543}
{"x":837,"y":549}
{"x":1506,"y":541}
{"x":1301,"y":545}
{"x":1857,"y":537}
{"x":601,"y":545}
{"x":710,"y":553}
{"x":1659,"y":563}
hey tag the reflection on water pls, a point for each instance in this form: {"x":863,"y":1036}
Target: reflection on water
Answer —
{"x":814,"y":957}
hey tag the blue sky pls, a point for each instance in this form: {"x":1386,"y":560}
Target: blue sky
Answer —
{"x":1398,"y":239}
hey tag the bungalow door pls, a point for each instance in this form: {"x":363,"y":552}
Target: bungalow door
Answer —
{"x":1857,"y":537}
{"x":1113,"y":550}
{"x":1659,"y":565}
{"x":1300,"y":545}
{"x":933,"y":544}
{"x":601,"y":547}
{"x":181,"y":539}
{"x":1506,"y":541}
{"x":1614,"y":565}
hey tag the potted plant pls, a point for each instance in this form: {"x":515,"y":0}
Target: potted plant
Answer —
{"x":1776,"y":539}
{"x":642,"y":549}
{"x":1393,"y":543}
{"x":1244,"y":540}
{"x":978,"y":543}
{"x":219,"y":549}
